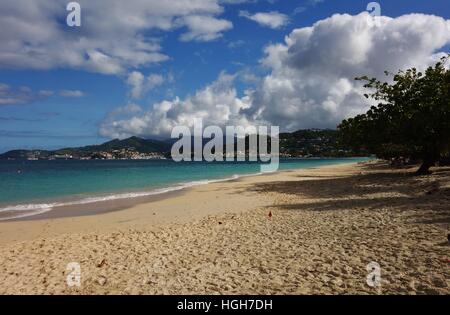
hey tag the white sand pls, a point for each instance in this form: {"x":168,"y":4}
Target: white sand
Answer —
{"x":327,"y":225}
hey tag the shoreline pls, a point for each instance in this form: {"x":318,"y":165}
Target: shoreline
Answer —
{"x":326,"y":225}
{"x":76,"y":207}
{"x":153,"y":212}
{"x":109,"y":202}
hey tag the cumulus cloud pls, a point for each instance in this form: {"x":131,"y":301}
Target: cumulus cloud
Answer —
{"x":310,"y":83}
{"x":139,"y":84}
{"x":114,"y":36}
{"x":216,"y":104}
{"x":272,"y":19}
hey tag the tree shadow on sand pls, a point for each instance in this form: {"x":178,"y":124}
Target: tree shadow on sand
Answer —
{"x":375,"y":188}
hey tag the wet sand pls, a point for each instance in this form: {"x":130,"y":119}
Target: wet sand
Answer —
{"x":96,"y":208}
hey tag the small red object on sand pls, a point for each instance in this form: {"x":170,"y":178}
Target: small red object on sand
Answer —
{"x":270,"y":214}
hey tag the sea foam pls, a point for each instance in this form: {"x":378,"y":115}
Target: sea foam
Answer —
{"x":40,"y":208}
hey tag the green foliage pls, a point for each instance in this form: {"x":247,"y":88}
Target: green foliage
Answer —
{"x":412,"y":119}
{"x":138,"y":144}
{"x":302,"y":143}
{"x":314,"y":142}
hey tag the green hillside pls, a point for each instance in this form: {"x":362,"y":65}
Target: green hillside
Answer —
{"x":302,"y":143}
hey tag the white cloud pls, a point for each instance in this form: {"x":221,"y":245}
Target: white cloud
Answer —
{"x":236,"y":44}
{"x":17,"y":96}
{"x":115,"y":35}
{"x":245,"y":1}
{"x":269,"y":19}
{"x":312,"y":84}
{"x":311,"y":77}
{"x":299,"y":10}
{"x":154,"y":80}
{"x":216,"y":104}
{"x":204,"y":28}
{"x":71,"y":93}
{"x":46,"y":93}
{"x":7,"y":97}
{"x":25,"y":95}
{"x":139,"y":84}
{"x":234,"y":1}
{"x":305,"y":6}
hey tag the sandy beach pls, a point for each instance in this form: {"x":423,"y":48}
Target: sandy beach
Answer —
{"x":310,"y":231}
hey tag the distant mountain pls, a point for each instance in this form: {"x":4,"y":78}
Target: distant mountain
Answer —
{"x":302,"y":143}
{"x":132,"y":145}
{"x":138,"y":144}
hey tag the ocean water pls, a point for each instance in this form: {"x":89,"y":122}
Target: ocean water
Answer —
{"x":33,"y":187}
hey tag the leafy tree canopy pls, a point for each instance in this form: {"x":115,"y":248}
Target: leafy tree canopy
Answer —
{"x":411,"y":120}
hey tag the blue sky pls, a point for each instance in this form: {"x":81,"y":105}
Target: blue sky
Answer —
{"x":65,"y":103}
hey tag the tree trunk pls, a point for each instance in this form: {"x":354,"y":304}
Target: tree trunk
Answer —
{"x":425,"y":167}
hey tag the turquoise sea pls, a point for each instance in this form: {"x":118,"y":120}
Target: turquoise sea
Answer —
{"x":33,"y":187}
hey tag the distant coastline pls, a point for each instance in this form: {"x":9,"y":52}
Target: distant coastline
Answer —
{"x":300,"y":144}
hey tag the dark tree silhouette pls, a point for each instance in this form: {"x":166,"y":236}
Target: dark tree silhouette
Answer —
{"x":412,"y":119}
